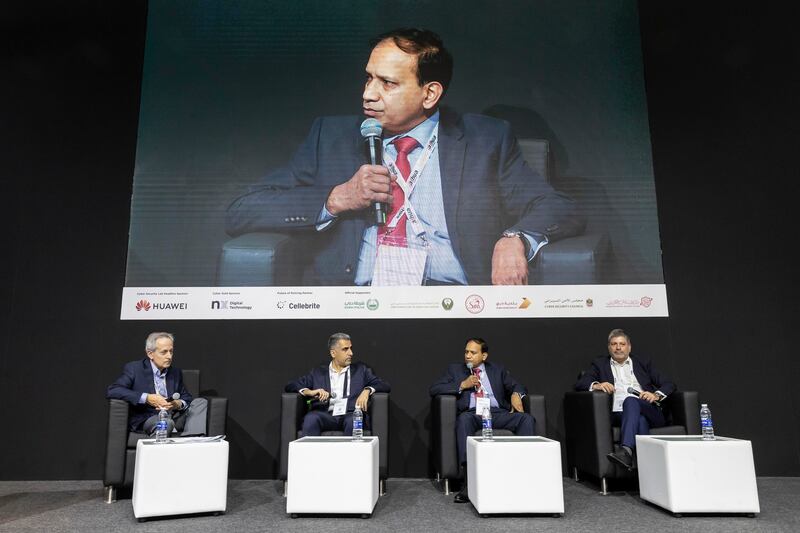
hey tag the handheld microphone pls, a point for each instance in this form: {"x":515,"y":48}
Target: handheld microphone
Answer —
{"x":638,"y":394}
{"x":371,"y":130}
{"x":472,"y":371}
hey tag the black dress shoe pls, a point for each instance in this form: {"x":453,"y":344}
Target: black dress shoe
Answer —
{"x":622,"y":458}
{"x":461,"y":497}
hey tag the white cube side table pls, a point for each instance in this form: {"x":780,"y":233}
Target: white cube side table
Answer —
{"x":515,"y":475}
{"x":686,"y":474}
{"x":332,"y":475}
{"x":180,"y":477}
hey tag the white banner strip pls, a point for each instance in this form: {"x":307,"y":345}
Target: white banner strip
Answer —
{"x":529,"y":301}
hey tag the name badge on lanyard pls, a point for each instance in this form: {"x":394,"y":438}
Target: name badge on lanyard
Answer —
{"x":402,"y":264}
{"x":340,"y":404}
{"x":481,"y":404}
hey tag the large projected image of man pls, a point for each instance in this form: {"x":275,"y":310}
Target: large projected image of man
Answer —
{"x":463,"y":205}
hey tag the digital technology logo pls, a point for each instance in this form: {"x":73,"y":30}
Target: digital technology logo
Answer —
{"x":447,"y":304}
{"x":372,"y":304}
{"x":142,"y":305}
{"x":219,"y":304}
{"x":474,"y":304}
{"x":230,"y":305}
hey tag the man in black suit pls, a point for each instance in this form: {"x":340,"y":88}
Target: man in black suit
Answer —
{"x":634,"y":414}
{"x":150,"y":384}
{"x":478,"y":383}
{"x":336,"y":389}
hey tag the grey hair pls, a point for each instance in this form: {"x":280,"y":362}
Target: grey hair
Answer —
{"x":618,"y":333}
{"x":335,"y":338}
{"x":150,"y":343}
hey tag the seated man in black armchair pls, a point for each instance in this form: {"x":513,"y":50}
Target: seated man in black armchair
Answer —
{"x":479,"y":384}
{"x":336,"y":389}
{"x":638,"y":390}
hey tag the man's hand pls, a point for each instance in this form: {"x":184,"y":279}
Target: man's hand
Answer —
{"x":509,"y":264}
{"x":370,"y":184}
{"x":516,"y":403}
{"x":604,"y":386}
{"x":321,"y":394}
{"x":175,"y":405}
{"x":470,"y":382}
{"x":649,"y":397}
{"x":362,"y":400}
{"x":158,"y":401}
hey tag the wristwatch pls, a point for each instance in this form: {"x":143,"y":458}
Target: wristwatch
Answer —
{"x":521,"y":236}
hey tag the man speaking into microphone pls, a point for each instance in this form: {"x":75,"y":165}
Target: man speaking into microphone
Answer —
{"x":478,"y":383}
{"x":638,"y":388}
{"x":461,"y":206}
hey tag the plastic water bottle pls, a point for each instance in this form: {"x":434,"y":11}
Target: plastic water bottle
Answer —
{"x":162,"y":425}
{"x":486,"y":431}
{"x":358,"y":424}
{"x":706,"y":424}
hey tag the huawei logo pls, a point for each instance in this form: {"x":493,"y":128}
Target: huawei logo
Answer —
{"x":142,"y":305}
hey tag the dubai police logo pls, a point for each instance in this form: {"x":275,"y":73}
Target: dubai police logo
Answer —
{"x":372,"y":304}
{"x":447,"y":304}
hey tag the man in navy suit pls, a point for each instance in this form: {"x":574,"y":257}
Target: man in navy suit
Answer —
{"x":634,"y":414}
{"x":474,"y":206}
{"x":151,"y":384}
{"x":477,"y":382}
{"x":336,"y":388}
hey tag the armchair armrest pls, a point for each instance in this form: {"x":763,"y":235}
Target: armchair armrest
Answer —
{"x":293,"y":407}
{"x":443,"y":437}
{"x":534,"y":405}
{"x":256,"y":259}
{"x":116,"y":443}
{"x":379,"y":418}
{"x":684,"y":408}
{"x":577,"y":260}
{"x":217,"y":415}
{"x":587,"y":424}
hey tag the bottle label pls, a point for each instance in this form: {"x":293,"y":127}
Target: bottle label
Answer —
{"x":161,"y":426}
{"x":487,"y":423}
{"x":357,"y":424}
{"x":706,"y":422}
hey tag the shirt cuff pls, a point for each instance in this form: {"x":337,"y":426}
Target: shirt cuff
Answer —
{"x":324,"y":219}
{"x":300,"y":392}
{"x":663,"y":396}
{"x":143,"y":398}
{"x":592,"y":385}
{"x":536,"y":241}
{"x":371,"y":390}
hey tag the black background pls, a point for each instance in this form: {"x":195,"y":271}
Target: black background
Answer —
{"x":721,"y":88}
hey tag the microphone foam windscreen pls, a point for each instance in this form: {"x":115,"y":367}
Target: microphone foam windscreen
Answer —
{"x":371,"y":127}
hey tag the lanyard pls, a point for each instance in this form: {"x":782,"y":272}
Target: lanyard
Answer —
{"x":408,"y":185}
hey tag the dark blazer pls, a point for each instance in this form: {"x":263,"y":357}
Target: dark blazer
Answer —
{"x":361,"y":377}
{"x":503,"y":385}
{"x":646,"y":374}
{"x":136,"y":378}
{"x":487,"y":187}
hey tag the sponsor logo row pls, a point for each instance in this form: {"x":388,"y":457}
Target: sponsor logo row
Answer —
{"x":474,"y":304}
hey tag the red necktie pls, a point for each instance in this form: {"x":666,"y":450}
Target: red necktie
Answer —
{"x":479,"y":393}
{"x":397,"y":236}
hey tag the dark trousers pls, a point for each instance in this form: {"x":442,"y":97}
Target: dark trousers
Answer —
{"x":317,"y":421}
{"x":636,"y":418}
{"x":468,"y":423}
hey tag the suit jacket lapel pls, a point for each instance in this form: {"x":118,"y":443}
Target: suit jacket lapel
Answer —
{"x":452,"y":147}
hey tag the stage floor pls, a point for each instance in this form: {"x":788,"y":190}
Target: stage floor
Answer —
{"x":410,"y":505}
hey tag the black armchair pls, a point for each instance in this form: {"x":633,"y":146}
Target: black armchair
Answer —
{"x":121,"y":443}
{"x":591,"y":437}
{"x":293,"y":409}
{"x":264,"y":259}
{"x":443,"y":432}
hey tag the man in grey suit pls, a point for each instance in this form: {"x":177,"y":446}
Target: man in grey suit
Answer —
{"x":464,"y":207}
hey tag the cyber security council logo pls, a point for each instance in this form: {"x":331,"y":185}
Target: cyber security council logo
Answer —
{"x":447,"y":304}
{"x":474,"y":304}
{"x":142,"y":305}
{"x":372,"y":304}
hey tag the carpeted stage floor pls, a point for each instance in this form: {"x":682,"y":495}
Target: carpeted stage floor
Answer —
{"x":409,"y":505}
